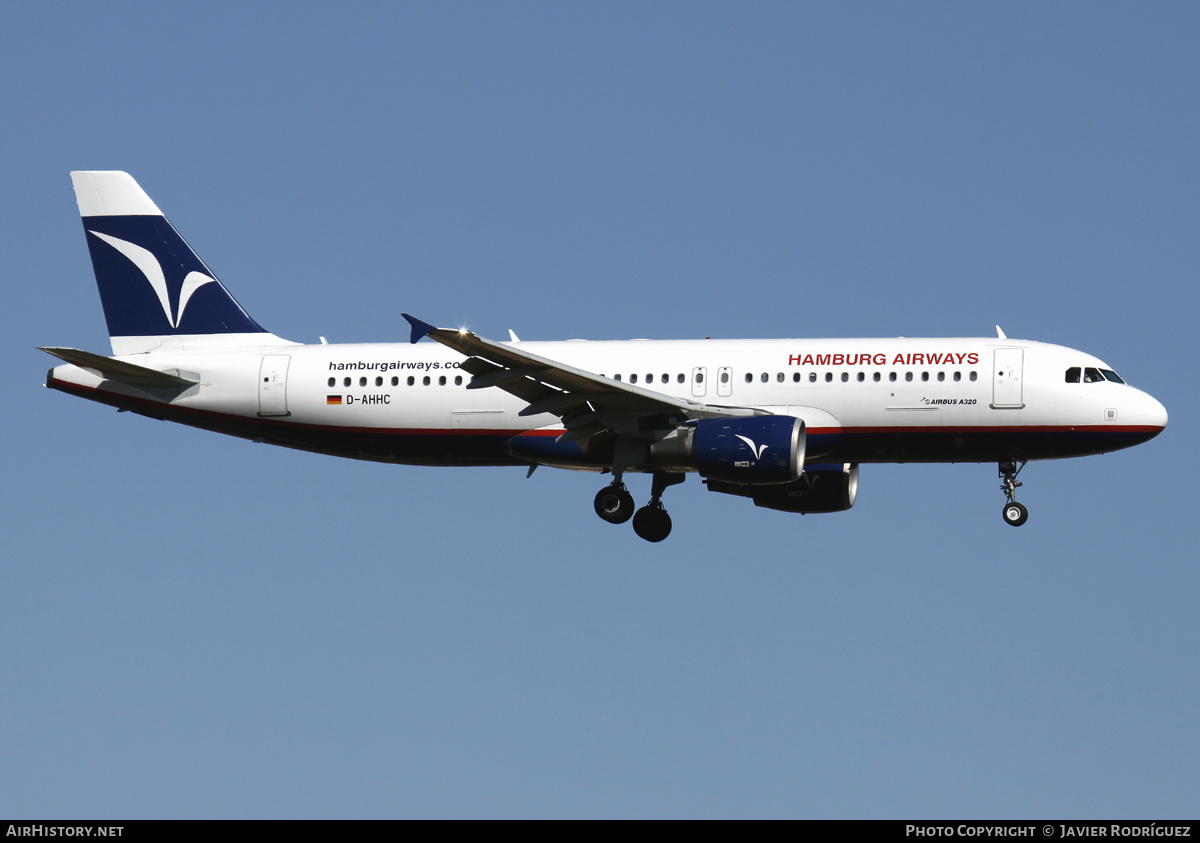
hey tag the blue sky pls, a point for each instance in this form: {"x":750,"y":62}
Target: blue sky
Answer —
{"x":197,"y":626}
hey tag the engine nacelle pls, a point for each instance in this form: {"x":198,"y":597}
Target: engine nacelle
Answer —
{"x":823,"y":488}
{"x":753,"y":450}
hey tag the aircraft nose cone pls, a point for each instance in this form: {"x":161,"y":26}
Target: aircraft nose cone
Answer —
{"x":1150,"y":411}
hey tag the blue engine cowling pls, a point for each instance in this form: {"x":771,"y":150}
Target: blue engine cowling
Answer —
{"x":823,"y":488}
{"x":754,"y":450}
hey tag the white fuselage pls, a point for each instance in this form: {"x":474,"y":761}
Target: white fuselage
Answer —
{"x":862,"y":400}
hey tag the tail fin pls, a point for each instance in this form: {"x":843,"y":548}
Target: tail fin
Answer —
{"x":156,"y":291}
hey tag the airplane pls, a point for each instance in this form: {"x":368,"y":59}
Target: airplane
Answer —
{"x":783,"y":422}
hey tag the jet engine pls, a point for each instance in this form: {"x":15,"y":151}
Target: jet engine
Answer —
{"x":751,"y":450}
{"x":822,"y":488}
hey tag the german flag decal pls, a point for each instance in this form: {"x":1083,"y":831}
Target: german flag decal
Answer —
{"x":333,"y":399}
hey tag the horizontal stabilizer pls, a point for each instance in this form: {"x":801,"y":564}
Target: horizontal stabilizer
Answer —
{"x":118,"y":370}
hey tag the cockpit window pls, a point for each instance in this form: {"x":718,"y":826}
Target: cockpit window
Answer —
{"x":1093,"y":375}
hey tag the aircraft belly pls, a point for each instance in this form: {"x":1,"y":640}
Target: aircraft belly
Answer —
{"x":415,"y":446}
{"x":983,"y":444}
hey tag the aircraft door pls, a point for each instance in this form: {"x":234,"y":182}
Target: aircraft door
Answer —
{"x":272,"y":385}
{"x":1006,"y":373}
{"x":724,"y":381}
{"x":699,"y":382}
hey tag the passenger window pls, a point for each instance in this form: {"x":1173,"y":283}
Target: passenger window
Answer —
{"x":861,"y":377}
{"x":679,"y":378}
{"x":633,"y":378}
{"x":892,"y":377}
{"x":974,"y":376}
{"x":616,"y":377}
{"x":749,"y":378}
{"x":425,"y":380}
{"x":332,"y":381}
{"x":378,"y":381}
{"x":395,"y":381}
{"x":724,"y":377}
{"x":812,"y":377}
{"x":845,"y":377}
{"x":362,"y":381}
{"x":908,"y":376}
{"x":941,"y":376}
{"x":699,"y":377}
{"x":667,"y":378}
{"x":829,"y":377}
{"x":345,"y":381}
{"x":924,"y":376}
{"x":779,"y":377}
{"x":458,"y":380}
{"x":875,"y":377}
{"x":763,"y":377}
{"x":957,"y":376}
{"x":1073,"y":374}
{"x":795,"y":377}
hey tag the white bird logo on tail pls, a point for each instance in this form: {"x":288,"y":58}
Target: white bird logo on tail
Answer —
{"x":145,"y":261}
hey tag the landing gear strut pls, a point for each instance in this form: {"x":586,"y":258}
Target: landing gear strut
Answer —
{"x":1014,"y":513}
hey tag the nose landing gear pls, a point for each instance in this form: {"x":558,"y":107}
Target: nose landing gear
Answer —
{"x":1014,"y":513}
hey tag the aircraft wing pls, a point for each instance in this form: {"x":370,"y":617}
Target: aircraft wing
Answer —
{"x":586,"y":402}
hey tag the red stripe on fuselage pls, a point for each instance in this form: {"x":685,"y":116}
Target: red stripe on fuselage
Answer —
{"x":252,"y":427}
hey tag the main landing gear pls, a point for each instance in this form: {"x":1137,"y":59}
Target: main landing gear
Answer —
{"x":615,"y":505}
{"x":1014,"y":513}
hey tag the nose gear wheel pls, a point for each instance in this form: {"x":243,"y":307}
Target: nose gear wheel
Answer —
{"x":1014,"y":513}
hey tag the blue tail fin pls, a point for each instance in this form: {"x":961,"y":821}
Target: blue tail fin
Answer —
{"x":155,"y":290}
